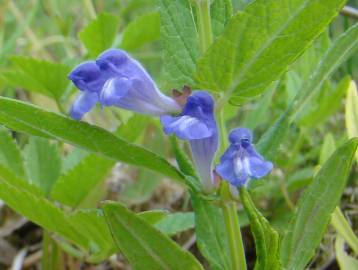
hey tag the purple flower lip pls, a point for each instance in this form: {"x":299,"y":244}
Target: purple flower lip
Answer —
{"x":197,"y":124}
{"x":119,"y":81}
{"x":241,"y":162}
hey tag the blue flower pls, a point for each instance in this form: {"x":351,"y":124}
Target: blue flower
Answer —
{"x":116,"y":79}
{"x":197,"y":124}
{"x":241,"y":162}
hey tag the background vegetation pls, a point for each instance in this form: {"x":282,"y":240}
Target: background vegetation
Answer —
{"x":41,"y":41}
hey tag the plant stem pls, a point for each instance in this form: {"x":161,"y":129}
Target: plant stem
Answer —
{"x":234,"y":236}
{"x":238,"y":261}
{"x":204,"y":24}
{"x":51,"y":254}
{"x":223,"y":131}
{"x":231,"y":218}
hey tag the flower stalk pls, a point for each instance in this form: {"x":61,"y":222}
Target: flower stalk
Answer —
{"x":237,"y":252}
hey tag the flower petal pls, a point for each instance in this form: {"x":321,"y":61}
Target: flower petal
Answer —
{"x":87,"y":77}
{"x":185,"y":127}
{"x":203,"y":151}
{"x":259,"y":167}
{"x":241,"y":162}
{"x":124,"y":93}
{"x":232,"y":168}
{"x":114,"y":90}
{"x":117,"y":65}
{"x":83,"y":104}
{"x":238,"y":135}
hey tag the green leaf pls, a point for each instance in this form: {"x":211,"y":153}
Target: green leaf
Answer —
{"x":351,"y":115}
{"x":266,"y":238}
{"x":78,"y":185}
{"x":43,"y":163}
{"x":153,"y":216}
{"x":259,"y":44}
{"x":169,"y":224}
{"x":175,"y":223}
{"x":143,"y":245}
{"x":47,"y":78}
{"x":100,"y":33}
{"x":210,"y":233}
{"x":344,"y":46}
{"x":80,"y":228}
{"x":345,"y":261}
{"x":73,"y":158}
{"x":220,"y":11}
{"x":133,"y":128}
{"x":342,"y":226}
{"x":180,"y":41}
{"x":10,"y":155}
{"x":315,"y":208}
{"x":270,"y":141}
{"x":338,"y":220}
{"x":307,"y":62}
{"x":27,"y":118}
{"x":258,"y":115}
{"x":142,"y":30}
{"x":328,"y":147}
{"x":85,"y":228}
{"x":142,"y":189}
{"x":185,"y":165}
{"x":326,"y":105}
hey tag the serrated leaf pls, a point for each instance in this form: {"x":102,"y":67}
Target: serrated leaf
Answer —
{"x":100,"y":33}
{"x":10,"y":155}
{"x":315,"y":208}
{"x":73,"y":158}
{"x":266,"y":238}
{"x":74,"y":187}
{"x":344,"y":46}
{"x":210,"y":233}
{"x":143,"y":245}
{"x":142,"y":30}
{"x":351,"y":114}
{"x":220,"y":11}
{"x":175,"y":223}
{"x":43,"y":163}
{"x":179,"y":39}
{"x":47,"y":78}
{"x":259,"y":43}
{"x":27,"y":118}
